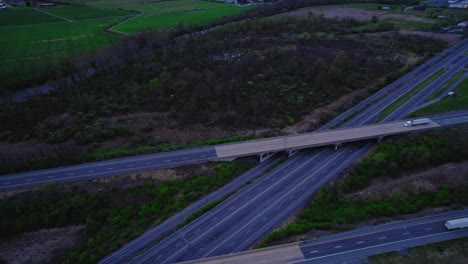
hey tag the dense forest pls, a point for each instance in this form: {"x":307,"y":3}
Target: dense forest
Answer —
{"x":259,"y":72}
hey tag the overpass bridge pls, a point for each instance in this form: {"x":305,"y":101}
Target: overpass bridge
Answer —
{"x":266,"y":148}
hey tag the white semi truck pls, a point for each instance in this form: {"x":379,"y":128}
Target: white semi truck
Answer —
{"x":417,"y":122}
{"x":457,"y":223}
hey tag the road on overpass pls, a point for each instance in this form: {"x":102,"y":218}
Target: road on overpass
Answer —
{"x":247,"y":216}
{"x":317,"y":139}
{"x":353,"y":245}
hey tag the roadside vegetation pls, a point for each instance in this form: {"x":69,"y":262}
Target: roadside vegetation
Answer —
{"x":113,"y":217}
{"x":452,"y":251}
{"x":447,"y":104}
{"x":348,"y":201}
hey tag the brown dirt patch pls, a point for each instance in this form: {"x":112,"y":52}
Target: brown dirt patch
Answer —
{"x":447,"y":174}
{"x":47,"y":245}
{"x":354,"y":13}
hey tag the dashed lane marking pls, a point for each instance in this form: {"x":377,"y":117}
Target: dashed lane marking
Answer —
{"x":382,"y":238}
{"x":359,"y":242}
{"x":315,"y":251}
{"x":338,"y":246}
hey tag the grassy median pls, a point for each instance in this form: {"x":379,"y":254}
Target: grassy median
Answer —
{"x":391,"y":108}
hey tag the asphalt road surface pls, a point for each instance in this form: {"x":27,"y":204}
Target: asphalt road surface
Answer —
{"x":170,"y":224}
{"x":352,"y":245}
{"x":106,"y":168}
{"x":245,"y":218}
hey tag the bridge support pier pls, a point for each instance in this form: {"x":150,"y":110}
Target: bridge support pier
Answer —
{"x":379,"y":139}
{"x":292,"y":152}
{"x":266,"y":155}
{"x":337,"y":146}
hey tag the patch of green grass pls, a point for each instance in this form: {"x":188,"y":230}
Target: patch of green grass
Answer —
{"x":446,"y":85}
{"x":410,"y":94}
{"x":199,"y":213}
{"x":459,"y":102}
{"x":24,"y":16}
{"x":452,"y":251}
{"x":168,"y":20}
{"x":33,"y":51}
{"x":176,"y":6}
{"x":74,"y":12}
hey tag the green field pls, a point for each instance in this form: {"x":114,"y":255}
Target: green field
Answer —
{"x":84,"y":12}
{"x":34,"y":50}
{"x":166,"y":20}
{"x":24,"y":16}
{"x":459,"y":102}
{"x":175,"y":6}
{"x":40,"y":41}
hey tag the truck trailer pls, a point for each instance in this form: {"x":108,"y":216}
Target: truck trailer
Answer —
{"x":457,"y":223}
{"x":417,"y":122}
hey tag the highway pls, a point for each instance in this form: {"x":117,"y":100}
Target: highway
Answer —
{"x":108,"y":168}
{"x":352,"y":245}
{"x":247,"y":216}
{"x":451,"y":58}
{"x":170,"y":224}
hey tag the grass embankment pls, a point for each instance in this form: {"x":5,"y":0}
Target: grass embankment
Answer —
{"x":452,"y":251}
{"x":410,"y":94}
{"x":331,"y":208}
{"x":457,"y":103}
{"x":112,"y":218}
{"x":446,"y":85}
{"x":64,"y":159}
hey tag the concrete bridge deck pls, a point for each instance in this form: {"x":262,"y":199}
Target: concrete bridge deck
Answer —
{"x":316,"y":139}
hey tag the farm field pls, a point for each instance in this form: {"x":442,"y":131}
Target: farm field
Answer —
{"x":41,"y":40}
{"x":36,"y":50}
{"x":73,"y":12}
{"x":25,"y":16}
{"x":174,"y":6}
{"x":166,"y":20}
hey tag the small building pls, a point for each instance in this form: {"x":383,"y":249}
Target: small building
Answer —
{"x":419,"y":8}
{"x":463,"y":24}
